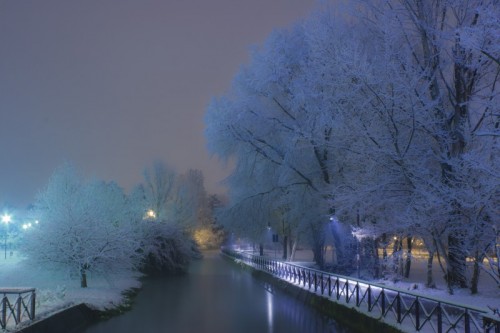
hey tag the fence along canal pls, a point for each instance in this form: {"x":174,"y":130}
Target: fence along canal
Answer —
{"x":18,"y":304}
{"x":403,"y":309}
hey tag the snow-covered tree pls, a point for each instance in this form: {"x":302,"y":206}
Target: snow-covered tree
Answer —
{"x":84,"y":226}
{"x":172,"y":198}
{"x":169,"y":207}
{"x":157,"y":189}
{"x":279,"y":144}
{"x":430,"y":127}
{"x":389,"y":118}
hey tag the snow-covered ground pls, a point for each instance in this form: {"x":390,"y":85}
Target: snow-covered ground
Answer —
{"x":56,"y":290}
{"x":487,"y":297}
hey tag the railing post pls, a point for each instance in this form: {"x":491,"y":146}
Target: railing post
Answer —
{"x":357,"y":293}
{"x":417,"y":313}
{"x":369,"y":298}
{"x":337,"y":287}
{"x":17,"y":317}
{"x":398,"y":306}
{"x":33,"y":303}
{"x":347,"y":291}
{"x":4,"y":311}
{"x":315,"y":282}
{"x":329,"y":286}
{"x":322,"y":284}
{"x":439,"y":318}
{"x":382,"y":302}
{"x":467,"y":321}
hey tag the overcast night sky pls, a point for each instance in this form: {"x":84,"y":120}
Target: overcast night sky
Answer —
{"x":112,"y":85}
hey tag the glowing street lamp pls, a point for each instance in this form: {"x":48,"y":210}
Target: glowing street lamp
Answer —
{"x":150,"y":214}
{"x":26,"y":226}
{"x":6,"y":218}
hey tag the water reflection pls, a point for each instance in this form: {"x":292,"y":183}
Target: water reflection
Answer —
{"x":216,"y":296}
{"x":270,"y":310}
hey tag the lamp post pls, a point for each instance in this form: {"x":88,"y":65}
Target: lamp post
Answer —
{"x":150,"y":215}
{"x":6,"y":220}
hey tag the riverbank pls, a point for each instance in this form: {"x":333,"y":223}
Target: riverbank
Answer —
{"x":407,"y":310}
{"x":56,"y":290}
{"x":487,"y":298}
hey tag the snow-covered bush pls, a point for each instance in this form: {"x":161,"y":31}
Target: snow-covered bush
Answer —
{"x":84,"y":226}
{"x":165,"y":248}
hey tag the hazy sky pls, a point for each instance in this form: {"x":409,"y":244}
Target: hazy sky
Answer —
{"x":112,"y":85}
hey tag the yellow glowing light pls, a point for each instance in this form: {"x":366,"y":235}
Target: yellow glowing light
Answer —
{"x":150,"y":214}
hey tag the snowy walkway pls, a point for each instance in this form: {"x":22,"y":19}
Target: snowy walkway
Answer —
{"x":427,"y":309}
{"x":488,"y":295}
{"x":58,"y":290}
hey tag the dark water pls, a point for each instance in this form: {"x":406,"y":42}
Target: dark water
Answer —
{"x":216,"y":297}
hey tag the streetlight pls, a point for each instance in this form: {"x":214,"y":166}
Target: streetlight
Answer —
{"x":6,"y":218}
{"x":150,"y":215}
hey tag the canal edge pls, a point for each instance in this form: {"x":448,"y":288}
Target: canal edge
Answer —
{"x":344,"y":315}
{"x":75,"y":318}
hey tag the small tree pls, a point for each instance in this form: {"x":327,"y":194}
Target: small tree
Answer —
{"x":84,"y":226}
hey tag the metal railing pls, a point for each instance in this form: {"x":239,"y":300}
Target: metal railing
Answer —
{"x":411,"y":310}
{"x":17,"y":304}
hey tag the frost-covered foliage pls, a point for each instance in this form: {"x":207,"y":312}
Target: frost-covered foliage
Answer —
{"x":173,"y":207}
{"x":92,"y":227}
{"x":84,"y":226}
{"x":175,"y":199}
{"x":165,"y":248}
{"x":388,"y":118}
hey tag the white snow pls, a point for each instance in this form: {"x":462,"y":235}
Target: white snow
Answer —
{"x":487,"y":297}
{"x":56,"y":289}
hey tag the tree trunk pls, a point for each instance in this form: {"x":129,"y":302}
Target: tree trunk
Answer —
{"x":396,"y":254}
{"x":294,"y":248}
{"x":319,"y":259}
{"x":285,"y":248}
{"x":83,"y":278}
{"x":456,"y":270}
{"x":376,"y":271}
{"x":475,"y":275}
{"x":408,"y":257}
{"x":430,"y":278}
{"x":337,"y":247}
{"x":384,"y":254}
{"x":261,"y":249}
{"x":318,"y":247}
{"x":400,"y":261}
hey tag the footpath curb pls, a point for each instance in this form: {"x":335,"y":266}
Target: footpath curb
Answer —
{"x":344,"y":315}
{"x":69,"y":320}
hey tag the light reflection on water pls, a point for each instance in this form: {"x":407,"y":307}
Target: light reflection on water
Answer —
{"x":216,"y":296}
{"x":270,"y":311}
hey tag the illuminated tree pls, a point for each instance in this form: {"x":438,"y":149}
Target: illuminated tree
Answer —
{"x":388,"y":118}
{"x":86,"y":226}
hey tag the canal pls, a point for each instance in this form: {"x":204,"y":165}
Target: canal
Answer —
{"x":216,"y":296}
